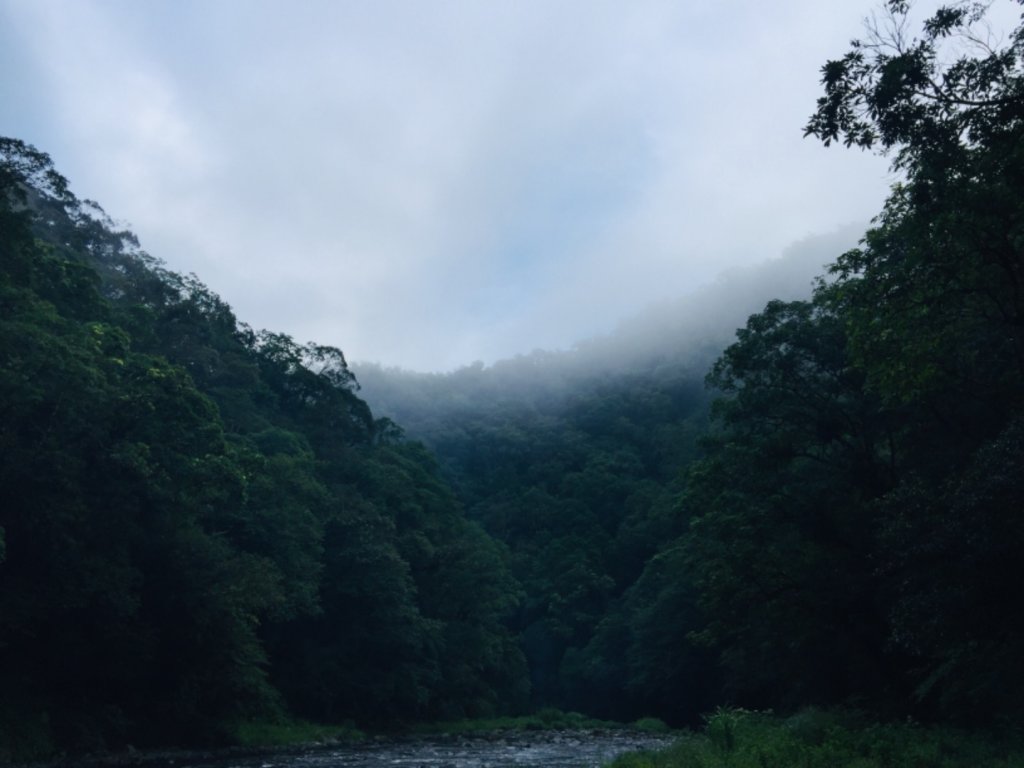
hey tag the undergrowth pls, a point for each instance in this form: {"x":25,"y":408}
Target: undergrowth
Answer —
{"x":736,"y":738}
{"x":283,"y":732}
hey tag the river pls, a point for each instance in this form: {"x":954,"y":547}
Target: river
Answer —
{"x":563,"y":749}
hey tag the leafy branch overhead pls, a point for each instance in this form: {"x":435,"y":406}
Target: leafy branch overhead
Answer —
{"x":954,"y":87}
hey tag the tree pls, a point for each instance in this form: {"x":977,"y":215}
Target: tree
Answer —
{"x":782,"y":528}
{"x":194,"y":512}
{"x":935,"y":297}
{"x":869,"y":440}
{"x":933,"y":98}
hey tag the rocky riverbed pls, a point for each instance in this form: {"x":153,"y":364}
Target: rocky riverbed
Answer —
{"x":526,"y":749}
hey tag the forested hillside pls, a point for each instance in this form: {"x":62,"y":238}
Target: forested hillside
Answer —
{"x":203,"y":524}
{"x":856,"y":524}
{"x":849,"y":533}
{"x":575,"y":461}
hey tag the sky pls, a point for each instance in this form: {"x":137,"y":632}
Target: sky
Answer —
{"x":426,"y":184}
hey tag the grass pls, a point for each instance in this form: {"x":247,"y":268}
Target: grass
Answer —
{"x":650,"y":725}
{"x":736,"y":738}
{"x":547,"y":719}
{"x":279,"y":733}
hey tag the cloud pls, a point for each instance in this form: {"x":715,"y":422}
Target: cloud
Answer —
{"x":428,"y":184}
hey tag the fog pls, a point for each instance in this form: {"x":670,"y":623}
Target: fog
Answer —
{"x":674,"y":340}
{"x":426,"y":186}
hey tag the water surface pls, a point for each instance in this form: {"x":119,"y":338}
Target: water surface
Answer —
{"x":543,"y":750}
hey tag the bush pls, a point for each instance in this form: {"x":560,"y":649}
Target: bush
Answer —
{"x":651,"y":725}
{"x":736,"y":738}
{"x":24,"y":735}
{"x":282,"y":732}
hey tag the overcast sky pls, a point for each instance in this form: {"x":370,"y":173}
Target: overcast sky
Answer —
{"x":430,"y":183}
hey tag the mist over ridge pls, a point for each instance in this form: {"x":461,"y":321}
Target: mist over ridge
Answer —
{"x":439,"y":187}
{"x":679,"y":336}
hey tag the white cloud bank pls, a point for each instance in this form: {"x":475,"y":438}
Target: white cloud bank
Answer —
{"x":426,"y":184}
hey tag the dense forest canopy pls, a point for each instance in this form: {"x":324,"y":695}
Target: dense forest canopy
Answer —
{"x":856,"y":520}
{"x":204,"y":524}
{"x":574,"y":461}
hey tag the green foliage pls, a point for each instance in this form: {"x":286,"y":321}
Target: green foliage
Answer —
{"x":204,"y":525}
{"x":650,"y":725}
{"x":932,"y":97}
{"x":573,"y":461}
{"x":274,"y":733}
{"x":957,"y":619}
{"x":576,"y":478}
{"x":782,"y":517}
{"x":825,"y":739}
{"x":26,"y":734}
{"x":853,"y":520}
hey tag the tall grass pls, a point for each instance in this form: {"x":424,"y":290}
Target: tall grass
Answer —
{"x":736,"y":738}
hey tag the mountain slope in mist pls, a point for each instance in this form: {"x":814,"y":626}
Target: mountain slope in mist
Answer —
{"x":671,"y":339}
{"x":575,"y":460}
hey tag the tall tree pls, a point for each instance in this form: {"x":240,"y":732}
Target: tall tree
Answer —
{"x":869,"y":441}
